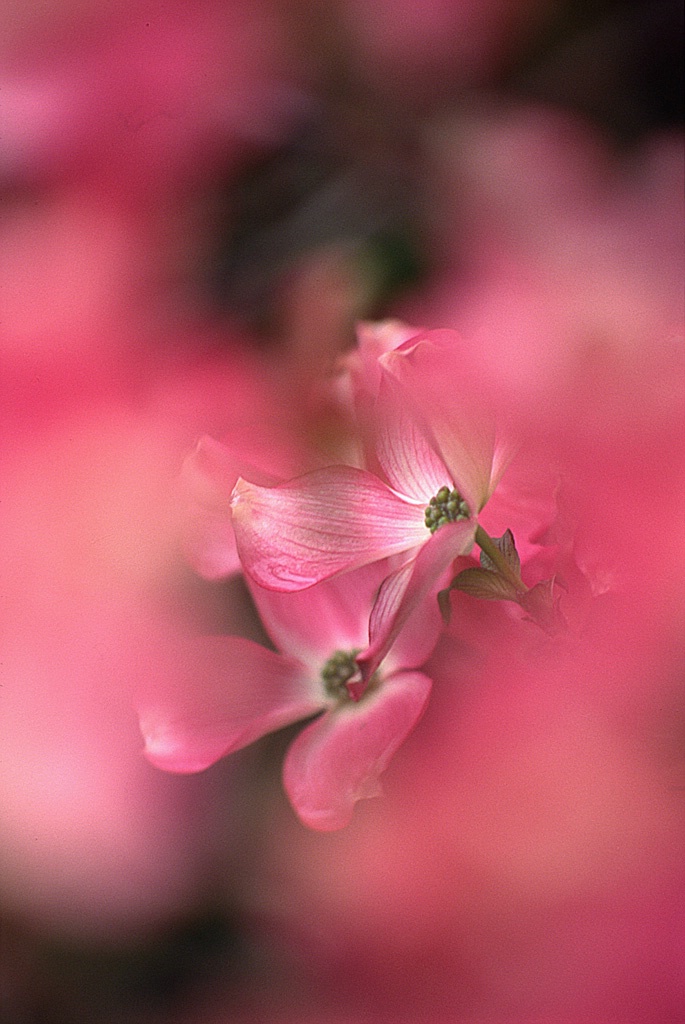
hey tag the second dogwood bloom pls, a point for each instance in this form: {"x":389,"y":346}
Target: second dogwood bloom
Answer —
{"x":337,"y":759}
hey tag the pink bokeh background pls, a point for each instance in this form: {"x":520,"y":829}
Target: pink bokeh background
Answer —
{"x":525,"y":861}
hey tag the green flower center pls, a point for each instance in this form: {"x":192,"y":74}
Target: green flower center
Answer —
{"x":447,"y":506}
{"x":340,"y":668}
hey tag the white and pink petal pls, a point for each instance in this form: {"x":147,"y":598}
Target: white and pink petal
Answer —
{"x":329,"y":521}
{"x":455,"y":409}
{"x":404,"y":451}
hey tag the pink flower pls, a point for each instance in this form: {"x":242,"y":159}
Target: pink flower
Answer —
{"x":440,"y":462}
{"x":337,"y":759}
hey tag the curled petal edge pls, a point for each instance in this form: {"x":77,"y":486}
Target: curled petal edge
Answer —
{"x":402,"y":592}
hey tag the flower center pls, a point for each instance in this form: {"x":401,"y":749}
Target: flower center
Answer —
{"x":340,"y":668}
{"x":447,"y":506}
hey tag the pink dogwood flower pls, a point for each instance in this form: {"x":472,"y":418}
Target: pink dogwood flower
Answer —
{"x":337,"y":759}
{"x":440,"y":465}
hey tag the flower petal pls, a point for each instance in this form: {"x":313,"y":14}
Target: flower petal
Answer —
{"x":374,"y":339}
{"x":453,"y":410}
{"x":208,"y":476}
{"x":468,"y":451}
{"x":246,"y":692}
{"x":412,"y":466}
{"x":332,"y":615}
{"x":328,"y":521}
{"x":404,"y":590}
{"x":337,"y":760}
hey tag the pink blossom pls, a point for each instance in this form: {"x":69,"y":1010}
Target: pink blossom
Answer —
{"x":440,"y":462}
{"x":337,"y":759}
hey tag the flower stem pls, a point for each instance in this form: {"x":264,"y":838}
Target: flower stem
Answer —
{"x":487,"y":544}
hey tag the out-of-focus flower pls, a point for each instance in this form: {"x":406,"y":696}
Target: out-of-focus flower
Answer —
{"x":111,"y":117}
{"x":208,"y":476}
{"x":93,"y":844}
{"x":336,"y":760}
{"x":574,"y":257}
{"x":418,"y":52}
{"x":143,"y":101}
{"x":95,"y":602}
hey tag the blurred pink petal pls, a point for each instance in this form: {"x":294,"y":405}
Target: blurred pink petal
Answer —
{"x":244,"y":691}
{"x":208,"y":477}
{"x":574,"y":255}
{"x":337,"y":760}
{"x":95,"y":842}
{"x":374,"y":339}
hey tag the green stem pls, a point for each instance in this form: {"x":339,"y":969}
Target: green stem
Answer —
{"x":487,"y":544}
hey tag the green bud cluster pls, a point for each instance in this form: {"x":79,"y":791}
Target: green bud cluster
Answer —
{"x":337,"y":672}
{"x":447,"y":506}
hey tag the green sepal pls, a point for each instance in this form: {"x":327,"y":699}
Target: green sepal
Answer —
{"x":444,"y":604}
{"x":486,"y":584}
{"x":507,"y":548}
